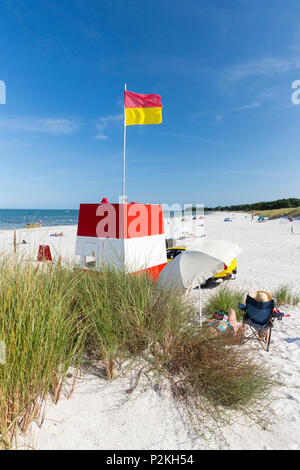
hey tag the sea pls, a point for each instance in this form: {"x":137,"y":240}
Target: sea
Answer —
{"x":19,"y":218}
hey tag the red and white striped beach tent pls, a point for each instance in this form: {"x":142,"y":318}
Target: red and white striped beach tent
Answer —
{"x":129,"y":236}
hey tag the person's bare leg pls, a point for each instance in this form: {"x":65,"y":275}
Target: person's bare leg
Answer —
{"x":267,"y":336}
{"x":238,"y":332}
{"x":232,"y":320}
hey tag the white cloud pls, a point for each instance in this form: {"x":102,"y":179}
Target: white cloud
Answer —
{"x":2,"y":92}
{"x":261,"y":67}
{"x":253,"y":105}
{"x":55,"y":126}
{"x":105,"y":123}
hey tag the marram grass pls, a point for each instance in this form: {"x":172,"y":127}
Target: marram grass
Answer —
{"x":284,"y":296}
{"x":224,"y":299}
{"x":53,"y":317}
{"x":43,"y":336}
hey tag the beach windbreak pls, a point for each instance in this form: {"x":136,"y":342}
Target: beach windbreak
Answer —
{"x":142,"y":109}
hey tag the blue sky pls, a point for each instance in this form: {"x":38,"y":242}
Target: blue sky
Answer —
{"x":230,"y":131}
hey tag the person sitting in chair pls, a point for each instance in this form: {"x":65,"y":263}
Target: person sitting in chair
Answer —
{"x":229,"y":323}
{"x":263,"y":297}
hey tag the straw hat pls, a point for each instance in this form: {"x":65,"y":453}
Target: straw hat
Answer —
{"x":261,"y":296}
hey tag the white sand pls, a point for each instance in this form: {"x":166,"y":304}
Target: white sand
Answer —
{"x":59,"y":246}
{"x":101,"y":415}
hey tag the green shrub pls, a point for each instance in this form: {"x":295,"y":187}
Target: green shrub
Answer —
{"x":224,"y":299}
{"x":43,"y":336}
{"x":128,"y":315}
{"x":51,"y":317}
{"x":209,"y":375}
{"x":284,"y":296}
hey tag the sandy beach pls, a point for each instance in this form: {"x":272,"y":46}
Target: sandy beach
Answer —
{"x":101,"y":415}
{"x":63,"y":246}
{"x":116,"y":331}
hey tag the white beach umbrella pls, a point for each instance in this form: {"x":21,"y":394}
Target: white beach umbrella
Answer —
{"x":219,"y":249}
{"x":188,"y":270}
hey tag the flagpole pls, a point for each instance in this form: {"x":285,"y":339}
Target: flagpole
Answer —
{"x":124,"y":151}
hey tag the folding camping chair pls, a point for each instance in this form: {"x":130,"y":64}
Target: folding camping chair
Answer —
{"x":259,"y":317}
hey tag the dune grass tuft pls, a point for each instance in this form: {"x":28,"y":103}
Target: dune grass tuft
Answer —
{"x":43,"y":336}
{"x":284,"y":296}
{"x":210,"y":376}
{"x":128,"y":315}
{"x":52,"y":318}
{"x":224,"y":299}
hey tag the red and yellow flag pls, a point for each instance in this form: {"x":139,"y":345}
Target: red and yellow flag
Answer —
{"x":142,"y":109}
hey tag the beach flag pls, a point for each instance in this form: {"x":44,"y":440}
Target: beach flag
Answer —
{"x":142,"y":109}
